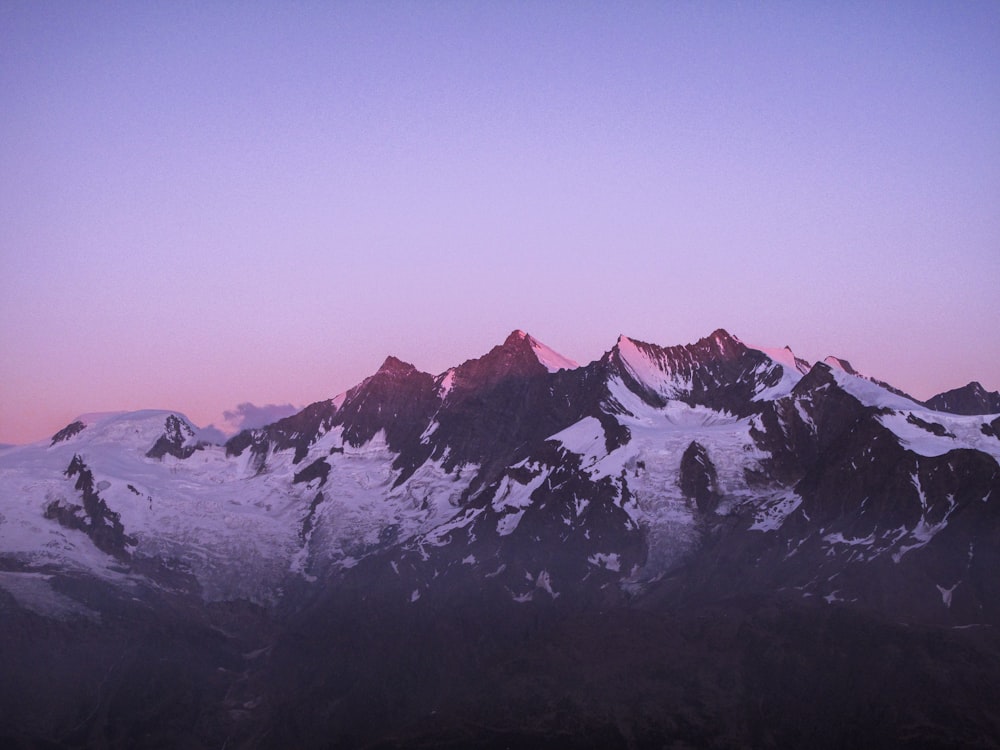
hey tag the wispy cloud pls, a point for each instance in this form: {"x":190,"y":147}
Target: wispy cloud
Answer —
{"x":246,"y":416}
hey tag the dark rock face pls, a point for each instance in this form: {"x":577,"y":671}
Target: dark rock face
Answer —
{"x":514,"y":358}
{"x":969,"y":399}
{"x":173,"y":441}
{"x":318,"y":469}
{"x":296,"y":432}
{"x":497,"y":421}
{"x":95,"y":519}
{"x":699,"y":479}
{"x":798,"y":430}
{"x":718,"y":371}
{"x":933,"y":428}
{"x":543,"y":530}
{"x":307,"y":522}
{"x":73,"y":428}
{"x":493,"y":412}
{"x":399,"y":400}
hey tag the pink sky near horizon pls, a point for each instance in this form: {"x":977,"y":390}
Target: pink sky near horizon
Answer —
{"x":207,"y":206}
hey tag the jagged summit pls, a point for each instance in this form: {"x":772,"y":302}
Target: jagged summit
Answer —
{"x":719,"y":342}
{"x":841,"y":364}
{"x":520,"y":355}
{"x":552,"y":360}
{"x":515,"y":336}
{"x":722,"y":336}
{"x":969,"y":399}
{"x":395,"y":366}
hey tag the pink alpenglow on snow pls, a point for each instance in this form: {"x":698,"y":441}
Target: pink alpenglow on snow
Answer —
{"x":552,"y":360}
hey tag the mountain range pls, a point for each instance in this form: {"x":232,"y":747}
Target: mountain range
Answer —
{"x":701,"y":545}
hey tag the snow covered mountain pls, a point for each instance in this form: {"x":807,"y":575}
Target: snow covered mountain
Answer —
{"x":671,"y":485}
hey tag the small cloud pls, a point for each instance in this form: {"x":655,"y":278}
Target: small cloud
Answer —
{"x":247,"y":416}
{"x":210,"y":434}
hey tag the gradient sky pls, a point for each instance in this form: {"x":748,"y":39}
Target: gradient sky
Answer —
{"x":212,"y":204}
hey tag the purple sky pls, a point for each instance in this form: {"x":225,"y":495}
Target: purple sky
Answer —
{"x":205,"y":205}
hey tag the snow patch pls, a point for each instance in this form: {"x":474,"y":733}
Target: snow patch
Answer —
{"x":946,"y":593}
{"x":431,"y":429}
{"x":606,"y":560}
{"x":924,"y":531}
{"x":839,"y":538}
{"x":544,"y":582}
{"x":512,"y":499}
{"x":447,"y":383}
{"x":584,"y":438}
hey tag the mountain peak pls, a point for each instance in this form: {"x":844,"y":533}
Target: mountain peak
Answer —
{"x":520,"y":354}
{"x":969,"y":399}
{"x":523,"y":342}
{"x":840,"y":364}
{"x":787,"y":359}
{"x":516,"y":336}
{"x":395,"y":366}
{"x":721,"y":339}
{"x":722,"y":335}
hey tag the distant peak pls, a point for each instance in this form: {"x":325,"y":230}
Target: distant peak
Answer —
{"x":521,"y":341}
{"x":627,"y":342}
{"x":840,"y":364}
{"x":969,"y":399}
{"x":394,"y":365}
{"x":627,"y":347}
{"x":973,"y":387}
{"x":516,"y":337}
{"x":520,"y":354}
{"x":723,"y":340}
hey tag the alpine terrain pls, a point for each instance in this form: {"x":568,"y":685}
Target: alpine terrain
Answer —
{"x":703,"y":545}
